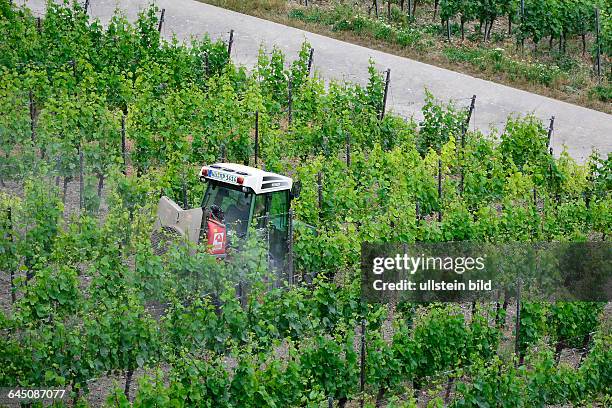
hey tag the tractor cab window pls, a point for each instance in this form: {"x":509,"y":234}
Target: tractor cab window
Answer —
{"x":235,"y":204}
{"x":260,"y":210}
{"x":273,"y":208}
{"x":279,"y":209}
{"x":279,"y":228}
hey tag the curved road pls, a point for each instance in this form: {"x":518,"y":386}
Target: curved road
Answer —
{"x":580,"y":129}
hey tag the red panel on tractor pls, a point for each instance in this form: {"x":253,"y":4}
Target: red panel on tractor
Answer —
{"x":217,"y":237}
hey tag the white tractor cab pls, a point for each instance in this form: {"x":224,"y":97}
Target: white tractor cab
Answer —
{"x":236,"y":196}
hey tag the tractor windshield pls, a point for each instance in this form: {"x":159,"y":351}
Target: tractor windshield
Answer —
{"x":235,"y":205}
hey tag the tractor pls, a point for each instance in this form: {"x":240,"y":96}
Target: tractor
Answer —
{"x":235,"y":198}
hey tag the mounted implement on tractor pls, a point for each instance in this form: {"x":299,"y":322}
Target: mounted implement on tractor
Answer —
{"x":236,"y":197}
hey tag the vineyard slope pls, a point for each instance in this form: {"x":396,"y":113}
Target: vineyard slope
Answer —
{"x":580,"y":129}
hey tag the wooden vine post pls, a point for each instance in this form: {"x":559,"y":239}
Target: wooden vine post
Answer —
{"x":497,"y":308}
{"x":206,"y":65}
{"x":348,"y":150}
{"x":320,"y":194}
{"x":522,"y":22}
{"x":32,"y":116}
{"x":268,"y":236}
{"x":74,"y":72}
{"x":9,"y":217}
{"x":184,"y":191}
{"x":449,"y":386}
{"x":81,"y":178}
{"x":240,"y":293}
{"x":222,"y":153}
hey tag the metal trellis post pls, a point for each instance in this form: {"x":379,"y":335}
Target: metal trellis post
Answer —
{"x":440,"y":189}
{"x":123,"y":144}
{"x":290,"y":272}
{"x":362,"y":365}
{"x":230,"y":43}
{"x":597,"y":35}
{"x":290,"y":101}
{"x":384,"y":105}
{"x":518,"y":320}
{"x":161,"y":20}
{"x":310,"y":56}
{"x":551,"y":128}
{"x":256,"y":136}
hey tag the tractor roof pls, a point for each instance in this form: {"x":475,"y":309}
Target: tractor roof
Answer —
{"x":258,"y":180}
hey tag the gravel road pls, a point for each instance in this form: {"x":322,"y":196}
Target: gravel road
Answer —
{"x":580,"y":129}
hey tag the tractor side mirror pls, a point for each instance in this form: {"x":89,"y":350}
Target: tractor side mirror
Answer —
{"x":296,"y":188}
